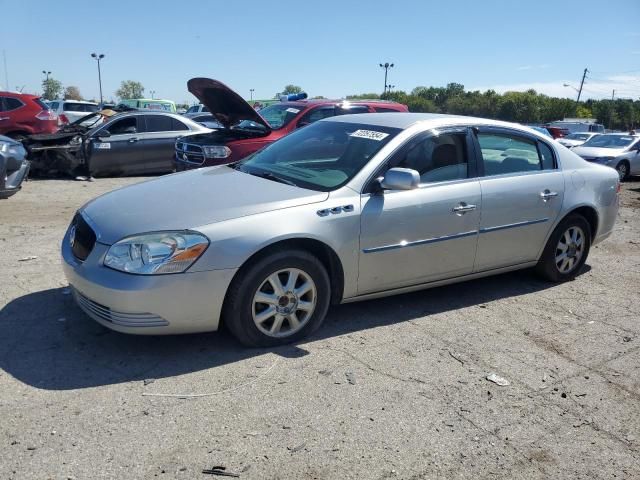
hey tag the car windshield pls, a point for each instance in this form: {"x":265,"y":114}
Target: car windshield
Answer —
{"x":578,"y":136}
{"x":277,"y":116}
{"x":323,"y":156}
{"x":610,"y":141}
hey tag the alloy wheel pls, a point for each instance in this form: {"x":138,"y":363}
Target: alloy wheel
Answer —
{"x":622,"y":170}
{"x":284,"y":303}
{"x":570,"y":249}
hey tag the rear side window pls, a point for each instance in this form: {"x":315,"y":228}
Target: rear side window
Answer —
{"x":548,"y":162}
{"x":506,"y":153}
{"x":384,"y":110}
{"x":177,"y":125}
{"x":11,"y":103}
{"x":158,"y":123}
{"x":79,"y":107}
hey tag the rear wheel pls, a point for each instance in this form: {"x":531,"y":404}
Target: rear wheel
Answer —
{"x":280,"y":299}
{"x":566,"y":250}
{"x":623,"y":170}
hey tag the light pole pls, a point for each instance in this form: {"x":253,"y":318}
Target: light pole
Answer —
{"x":386,"y":67}
{"x":152,"y":92}
{"x":47,"y":75}
{"x":251,"y":90}
{"x":98,"y":58}
{"x":390,"y":87}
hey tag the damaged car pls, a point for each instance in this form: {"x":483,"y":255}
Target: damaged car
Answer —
{"x":133,"y":142}
{"x":245,"y":131}
{"x":14,"y":167}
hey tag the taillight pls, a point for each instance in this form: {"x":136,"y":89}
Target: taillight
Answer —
{"x":63,"y":118}
{"x":47,"y":115}
{"x":618,"y":188}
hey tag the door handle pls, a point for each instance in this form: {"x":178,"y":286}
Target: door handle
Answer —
{"x":547,"y":194}
{"x":133,"y":140}
{"x":463,"y":208}
{"x":4,"y":118}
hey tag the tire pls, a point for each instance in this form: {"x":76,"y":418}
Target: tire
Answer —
{"x":623,"y":170}
{"x":272,"y":322}
{"x":552,"y":265}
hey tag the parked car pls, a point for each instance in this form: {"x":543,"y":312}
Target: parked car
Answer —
{"x":541,"y":130}
{"x":576,"y":139}
{"x":205,"y":119}
{"x":349,"y":208}
{"x":557,"y":132}
{"x":197,"y":109}
{"x":576,"y":125}
{"x":616,"y":150}
{"x":22,"y":114}
{"x":246,"y":131}
{"x":14,"y":166}
{"x":150,"y":104}
{"x":129,"y":143}
{"x":71,"y":110}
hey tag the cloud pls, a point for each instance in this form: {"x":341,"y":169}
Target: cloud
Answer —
{"x":626,"y":86}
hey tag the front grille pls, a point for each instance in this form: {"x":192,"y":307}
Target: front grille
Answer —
{"x":102,"y":312}
{"x":83,"y":238}
{"x":189,"y":153}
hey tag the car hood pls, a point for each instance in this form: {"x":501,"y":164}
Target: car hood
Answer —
{"x":595,"y":152}
{"x":188,"y":200}
{"x":227,"y":106}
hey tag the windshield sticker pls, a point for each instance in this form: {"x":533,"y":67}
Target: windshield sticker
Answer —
{"x":370,"y":134}
{"x":293,"y":110}
{"x":102,"y":146}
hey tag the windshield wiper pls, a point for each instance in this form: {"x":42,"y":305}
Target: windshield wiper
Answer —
{"x":271,"y":176}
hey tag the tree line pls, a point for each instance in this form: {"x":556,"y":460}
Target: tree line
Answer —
{"x":528,"y":107}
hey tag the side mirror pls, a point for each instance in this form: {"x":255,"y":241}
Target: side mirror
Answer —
{"x":400,"y":179}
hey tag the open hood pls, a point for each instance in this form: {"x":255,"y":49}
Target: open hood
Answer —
{"x":227,"y":106}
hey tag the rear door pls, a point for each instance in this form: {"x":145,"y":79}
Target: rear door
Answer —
{"x":116,"y":153}
{"x":522,"y":193}
{"x":158,"y":143}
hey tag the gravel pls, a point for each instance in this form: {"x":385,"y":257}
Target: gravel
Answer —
{"x":391,"y":388}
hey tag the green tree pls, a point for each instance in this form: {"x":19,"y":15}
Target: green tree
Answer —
{"x":130,"y":89}
{"x":72,"y":93}
{"x":51,"y":89}
{"x":289,"y":89}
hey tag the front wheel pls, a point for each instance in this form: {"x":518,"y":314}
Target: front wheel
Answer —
{"x":280,"y":299}
{"x":566,"y":250}
{"x":623,"y":170}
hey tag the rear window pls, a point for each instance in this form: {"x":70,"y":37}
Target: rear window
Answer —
{"x":384,"y":110}
{"x":41,"y":104}
{"x":79,"y":107}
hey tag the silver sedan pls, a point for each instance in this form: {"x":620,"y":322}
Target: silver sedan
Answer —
{"x":349,"y":208}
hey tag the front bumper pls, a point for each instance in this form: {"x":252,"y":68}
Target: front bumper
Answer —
{"x":145,"y":304}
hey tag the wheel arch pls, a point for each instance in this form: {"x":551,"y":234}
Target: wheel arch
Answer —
{"x":590,"y":214}
{"x":323,"y":252}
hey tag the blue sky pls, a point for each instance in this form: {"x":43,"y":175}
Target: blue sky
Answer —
{"x":330,"y":48}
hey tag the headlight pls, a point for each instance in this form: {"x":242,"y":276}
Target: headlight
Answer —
{"x":216,"y":151}
{"x":156,"y":253}
{"x":605,"y":159}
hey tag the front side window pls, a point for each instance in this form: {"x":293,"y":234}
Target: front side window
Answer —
{"x":322,"y":156}
{"x":123,"y":126}
{"x":506,"y":153}
{"x":438,"y":158}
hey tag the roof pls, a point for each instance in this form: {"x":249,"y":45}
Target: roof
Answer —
{"x":404,"y":120}
{"x":71,"y":100}
{"x":319,"y":101}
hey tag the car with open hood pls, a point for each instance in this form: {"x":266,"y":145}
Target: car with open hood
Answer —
{"x":245,"y":130}
{"x":616,"y":150}
{"x":349,"y":208}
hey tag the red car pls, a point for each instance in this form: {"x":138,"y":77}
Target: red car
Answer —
{"x":245,"y":130}
{"x":557,"y":132}
{"x":22,"y":114}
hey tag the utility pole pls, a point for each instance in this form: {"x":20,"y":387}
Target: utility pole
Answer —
{"x":98,"y":58}
{"x":386,"y":67}
{"x":6,"y":72}
{"x":584,"y":75}
{"x":251,"y":90}
{"x":613,"y":94}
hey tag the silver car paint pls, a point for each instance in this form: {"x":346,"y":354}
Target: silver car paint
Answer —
{"x":242,"y":229}
{"x":627,"y":153}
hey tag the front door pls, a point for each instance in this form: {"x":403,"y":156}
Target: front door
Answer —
{"x":522,"y":192}
{"x":429,"y":233}
{"x":112,"y":154}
